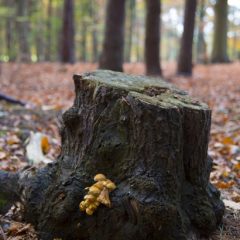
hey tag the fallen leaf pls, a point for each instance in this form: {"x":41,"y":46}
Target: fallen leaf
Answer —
{"x":236,"y":197}
{"x":231,"y":204}
{"x":237,"y":166}
{"x":224,"y":185}
{"x":2,"y":155}
{"x":13,"y":140}
{"x":228,"y":140}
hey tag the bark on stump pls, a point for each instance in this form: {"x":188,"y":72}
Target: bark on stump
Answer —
{"x":145,"y":135}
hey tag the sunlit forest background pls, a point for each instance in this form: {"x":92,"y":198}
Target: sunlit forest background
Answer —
{"x":34,"y":29}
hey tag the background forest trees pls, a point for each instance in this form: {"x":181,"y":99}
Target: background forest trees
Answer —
{"x":152,"y":37}
{"x":219,"y":52}
{"x":113,"y":45}
{"x":185,"y":55}
{"x":67,"y":46}
{"x":90,"y":30}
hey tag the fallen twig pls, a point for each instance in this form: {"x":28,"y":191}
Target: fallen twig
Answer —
{"x":11,"y":100}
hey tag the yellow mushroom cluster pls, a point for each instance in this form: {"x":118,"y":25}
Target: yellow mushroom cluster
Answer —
{"x":97,"y":194}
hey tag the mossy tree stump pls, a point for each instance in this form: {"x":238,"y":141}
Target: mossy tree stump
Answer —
{"x":150,"y":139}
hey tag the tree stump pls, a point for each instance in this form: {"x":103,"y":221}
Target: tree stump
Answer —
{"x":150,"y":139}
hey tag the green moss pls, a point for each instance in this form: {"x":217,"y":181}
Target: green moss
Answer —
{"x":126,"y":82}
{"x":180,"y":101}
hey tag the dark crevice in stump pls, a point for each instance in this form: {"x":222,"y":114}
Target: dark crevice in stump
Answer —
{"x":151,"y":140}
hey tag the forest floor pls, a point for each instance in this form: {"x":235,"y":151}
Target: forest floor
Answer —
{"x":48,"y":90}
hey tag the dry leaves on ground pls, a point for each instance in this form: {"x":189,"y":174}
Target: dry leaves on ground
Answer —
{"x":48,"y":89}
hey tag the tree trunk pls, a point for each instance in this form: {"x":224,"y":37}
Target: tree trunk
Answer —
{"x":83,"y":54}
{"x":67,"y":51}
{"x":139,"y":54}
{"x":23,"y":31}
{"x":146,"y":136}
{"x":131,"y":7}
{"x":219,"y":52}
{"x":94,"y":32}
{"x":40,"y":38}
{"x":113,"y":45}
{"x":58,"y":13}
{"x":10,"y":36}
{"x":152,"y":37}
{"x":48,"y":50}
{"x":185,"y":56}
{"x":235,"y":45}
{"x":201,"y":43}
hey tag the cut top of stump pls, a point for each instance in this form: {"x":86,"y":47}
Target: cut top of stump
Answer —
{"x":151,"y":90}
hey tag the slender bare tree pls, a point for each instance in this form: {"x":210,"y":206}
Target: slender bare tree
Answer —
{"x":152,"y":37}
{"x":67,"y":46}
{"x":113,"y":45}
{"x":219,"y":53}
{"x":185,"y":55}
{"x":23,"y":31}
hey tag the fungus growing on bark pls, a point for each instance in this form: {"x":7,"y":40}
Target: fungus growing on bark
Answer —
{"x":97,"y":194}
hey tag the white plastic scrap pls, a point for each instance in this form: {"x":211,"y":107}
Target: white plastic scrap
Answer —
{"x":34,"y":149}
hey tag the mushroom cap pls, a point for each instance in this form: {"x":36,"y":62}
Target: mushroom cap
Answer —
{"x":94,"y":190}
{"x":82,"y":206}
{"x":99,"y":185}
{"x":89,"y":197}
{"x":99,"y":177}
{"x":111,"y":186}
{"x":92,"y":206}
{"x":89,"y":211}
